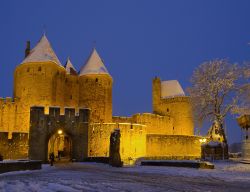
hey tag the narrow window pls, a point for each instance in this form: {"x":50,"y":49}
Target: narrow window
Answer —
{"x":28,"y":70}
{"x":96,"y":80}
{"x":39,"y":68}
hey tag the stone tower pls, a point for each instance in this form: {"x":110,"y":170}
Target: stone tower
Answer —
{"x":169,"y":99}
{"x":95,"y":89}
{"x":71,"y":92}
{"x":39,"y":79}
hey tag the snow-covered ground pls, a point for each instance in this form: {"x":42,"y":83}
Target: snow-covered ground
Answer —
{"x":75,"y":177}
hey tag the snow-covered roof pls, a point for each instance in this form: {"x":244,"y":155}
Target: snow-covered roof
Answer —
{"x":171,"y":88}
{"x":94,"y":65}
{"x":70,"y":68}
{"x":42,"y":52}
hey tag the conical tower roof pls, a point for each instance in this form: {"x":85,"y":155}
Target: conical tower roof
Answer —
{"x":42,"y":52}
{"x":94,"y":65}
{"x":171,"y":88}
{"x":70,"y":68}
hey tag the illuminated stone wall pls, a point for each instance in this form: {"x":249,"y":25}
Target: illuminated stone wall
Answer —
{"x":95,"y":92}
{"x":14,"y":116}
{"x":155,"y":124}
{"x":132,"y":143}
{"x":15,"y":147}
{"x":71,"y":93}
{"x":40,"y":84}
{"x":173,"y":147}
{"x":98,"y":139}
{"x":179,"y":108}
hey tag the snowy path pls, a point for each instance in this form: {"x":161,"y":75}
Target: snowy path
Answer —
{"x":75,"y":177}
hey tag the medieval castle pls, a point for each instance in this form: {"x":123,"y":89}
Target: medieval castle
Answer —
{"x":57,"y":109}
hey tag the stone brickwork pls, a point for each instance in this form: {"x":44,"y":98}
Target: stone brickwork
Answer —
{"x":173,"y":147}
{"x":14,"y":148}
{"x":43,"y":126}
{"x":40,"y":84}
{"x":95,"y":92}
{"x":132,"y":141}
{"x":14,"y":116}
{"x":155,"y":124}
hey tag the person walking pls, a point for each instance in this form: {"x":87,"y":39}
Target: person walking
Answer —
{"x":51,"y":158}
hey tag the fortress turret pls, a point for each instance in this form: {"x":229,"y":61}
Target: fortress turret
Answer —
{"x":71,"y":93}
{"x":39,"y":78}
{"x":169,"y":99}
{"x":95,"y":89}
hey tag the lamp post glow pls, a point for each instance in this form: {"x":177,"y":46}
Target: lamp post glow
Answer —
{"x":59,"y":131}
{"x":203,"y":140}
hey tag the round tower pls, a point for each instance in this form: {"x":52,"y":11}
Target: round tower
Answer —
{"x":39,"y":79}
{"x":71,"y":92}
{"x":169,"y":99}
{"x":95,"y":89}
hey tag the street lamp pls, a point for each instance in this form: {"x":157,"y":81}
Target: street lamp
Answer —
{"x":59,"y":131}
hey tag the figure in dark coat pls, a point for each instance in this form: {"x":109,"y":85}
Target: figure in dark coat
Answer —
{"x":51,"y":158}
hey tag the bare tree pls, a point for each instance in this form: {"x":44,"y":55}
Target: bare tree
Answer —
{"x":214,"y":91}
{"x":244,"y":93}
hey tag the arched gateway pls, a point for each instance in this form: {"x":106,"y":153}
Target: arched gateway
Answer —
{"x":60,"y":144}
{"x":49,"y":131}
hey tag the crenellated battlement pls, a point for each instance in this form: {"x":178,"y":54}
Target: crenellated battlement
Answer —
{"x":69,"y":114}
{"x":8,"y":100}
{"x":176,"y":99}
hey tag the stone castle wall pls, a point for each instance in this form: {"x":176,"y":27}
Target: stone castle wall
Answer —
{"x":15,"y":147}
{"x":173,"y":147}
{"x":132,"y":143}
{"x":155,"y":124}
{"x":14,"y":116}
{"x":95,"y":92}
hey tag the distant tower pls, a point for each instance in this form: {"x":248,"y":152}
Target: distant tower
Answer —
{"x":71,"y":92}
{"x":169,"y":99}
{"x":95,"y":89}
{"x":70,"y":68}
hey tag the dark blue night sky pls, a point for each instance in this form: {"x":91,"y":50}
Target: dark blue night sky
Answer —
{"x":137,"y":40}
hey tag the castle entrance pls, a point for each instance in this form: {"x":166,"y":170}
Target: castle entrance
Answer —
{"x":61,"y":145}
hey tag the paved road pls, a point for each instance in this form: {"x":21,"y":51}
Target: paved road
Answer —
{"x":76,"y":177}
